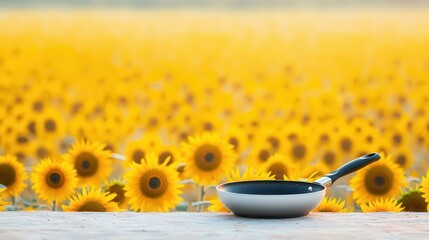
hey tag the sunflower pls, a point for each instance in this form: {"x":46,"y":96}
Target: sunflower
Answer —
{"x":300,"y":151}
{"x":217,"y":206}
{"x":413,"y":201}
{"x":329,"y":157}
{"x":91,"y":161}
{"x":382,"y":205}
{"x":235,"y":175}
{"x":332,"y":205}
{"x":403,"y":157}
{"x":382,"y":179}
{"x":168,"y":152}
{"x":12,"y":175}
{"x":3,"y":204}
{"x":260,"y":153}
{"x":306,"y":175}
{"x":271,"y":136}
{"x":398,"y":136}
{"x":53,"y":180}
{"x":117,"y":187}
{"x":93,"y":200}
{"x":424,"y":188}
{"x":208,"y":157}
{"x":346,"y":141}
{"x":249,"y":174}
{"x":236,"y":136}
{"x":50,"y":124}
{"x":279,"y":166}
{"x":136,"y":150}
{"x":151,"y":186}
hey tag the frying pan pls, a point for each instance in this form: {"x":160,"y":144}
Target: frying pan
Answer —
{"x":280,"y":198}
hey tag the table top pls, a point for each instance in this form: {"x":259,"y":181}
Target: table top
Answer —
{"x":187,"y":225}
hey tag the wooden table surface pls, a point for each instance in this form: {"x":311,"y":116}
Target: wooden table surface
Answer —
{"x":182,"y":225}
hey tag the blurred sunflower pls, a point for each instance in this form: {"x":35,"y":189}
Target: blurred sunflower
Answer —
{"x":403,"y":157}
{"x":272,"y":137}
{"x":413,"y":201}
{"x":207,"y":157}
{"x":259,"y":154}
{"x":151,"y":186}
{"x":332,"y":205}
{"x":3,"y":204}
{"x":236,"y":136}
{"x":118,"y":187}
{"x":12,"y":175}
{"x":382,"y":179}
{"x":382,"y":205}
{"x":424,"y":188}
{"x":169,"y":153}
{"x":53,"y":180}
{"x":249,"y":174}
{"x":235,"y":175}
{"x":91,"y":161}
{"x":346,"y":141}
{"x":300,"y":152}
{"x":92,"y":200}
{"x":279,"y":165}
{"x":329,"y":157}
{"x":136,"y":150}
{"x":50,"y":125}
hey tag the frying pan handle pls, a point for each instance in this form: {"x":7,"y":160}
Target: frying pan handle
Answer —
{"x":348,"y":168}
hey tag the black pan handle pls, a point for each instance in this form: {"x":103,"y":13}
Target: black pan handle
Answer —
{"x":348,"y":168}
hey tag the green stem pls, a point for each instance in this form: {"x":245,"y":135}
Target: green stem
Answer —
{"x":54,"y":205}
{"x":13,"y":200}
{"x":200,"y":208}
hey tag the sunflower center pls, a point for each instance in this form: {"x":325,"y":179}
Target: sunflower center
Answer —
{"x":379,"y":180}
{"x":207,"y":157}
{"x":234,"y":142}
{"x":7,"y":175}
{"x":50,"y":125}
{"x":414,"y":202}
{"x":120,"y":193}
{"x":32,"y":127}
{"x":92,"y":206}
{"x":275,"y":143}
{"x":278,"y":170}
{"x":401,"y":160}
{"x":42,"y":152}
{"x":208,"y":126}
{"x":21,"y":139}
{"x":324,"y":138}
{"x":38,"y":106}
{"x":369,"y":139}
{"x":264,"y":155}
{"x":86,"y":164}
{"x":55,"y":178}
{"x":153,"y":183}
{"x":292,"y":137}
{"x":346,"y":144}
{"x":329,"y":158}
{"x":299,"y":151}
{"x":163,"y":157}
{"x":138,"y":155}
{"x":397,"y":139}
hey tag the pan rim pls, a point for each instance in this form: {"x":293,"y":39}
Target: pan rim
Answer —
{"x":267,"y":195}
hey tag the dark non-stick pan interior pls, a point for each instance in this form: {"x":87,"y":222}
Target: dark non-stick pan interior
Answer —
{"x":271,"y":187}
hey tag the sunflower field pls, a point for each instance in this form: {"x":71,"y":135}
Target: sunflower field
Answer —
{"x":149,"y":110}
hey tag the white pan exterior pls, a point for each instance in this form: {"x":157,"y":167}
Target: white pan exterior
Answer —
{"x":271,"y":206}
